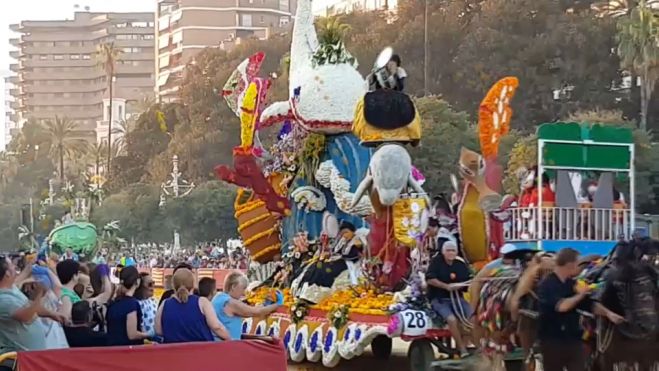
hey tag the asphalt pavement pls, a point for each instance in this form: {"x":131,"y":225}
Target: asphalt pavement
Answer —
{"x":397,"y":362}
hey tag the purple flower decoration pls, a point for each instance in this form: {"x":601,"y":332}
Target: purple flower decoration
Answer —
{"x":285,"y":129}
{"x":418,"y":175}
{"x":394,"y":326}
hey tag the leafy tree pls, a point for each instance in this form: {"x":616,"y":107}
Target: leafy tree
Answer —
{"x":548,"y":49}
{"x":205,"y":214}
{"x":638,"y":47}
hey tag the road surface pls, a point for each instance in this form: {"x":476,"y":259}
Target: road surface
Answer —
{"x":397,"y":362}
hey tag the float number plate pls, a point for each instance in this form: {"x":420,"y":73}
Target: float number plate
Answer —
{"x":415,"y":322}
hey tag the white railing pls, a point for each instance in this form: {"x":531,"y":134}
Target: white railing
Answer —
{"x":558,"y":223}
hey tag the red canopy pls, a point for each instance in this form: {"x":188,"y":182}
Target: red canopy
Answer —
{"x":245,"y":355}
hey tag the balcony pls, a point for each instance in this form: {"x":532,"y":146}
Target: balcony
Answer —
{"x":86,"y":88}
{"x":15,"y":42}
{"x":15,"y":54}
{"x":14,"y":67}
{"x":568,"y":224}
{"x":91,"y":73}
{"x":16,"y":27}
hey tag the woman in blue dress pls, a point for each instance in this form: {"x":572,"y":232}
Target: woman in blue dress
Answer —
{"x":185,"y":317}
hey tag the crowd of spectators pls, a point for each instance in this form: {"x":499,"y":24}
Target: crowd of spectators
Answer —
{"x":63,"y":303}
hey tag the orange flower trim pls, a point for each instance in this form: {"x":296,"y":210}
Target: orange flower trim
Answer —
{"x":266,"y":251}
{"x":253,"y":221}
{"x":258,"y":236}
{"x":494,"y":115}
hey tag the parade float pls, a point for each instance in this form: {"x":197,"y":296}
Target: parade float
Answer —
{"x":300,"y":207}
{"x":480,"y":205}
{"x":581,"y":192}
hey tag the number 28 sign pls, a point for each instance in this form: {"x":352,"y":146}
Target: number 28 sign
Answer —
{"x":415,"y":322}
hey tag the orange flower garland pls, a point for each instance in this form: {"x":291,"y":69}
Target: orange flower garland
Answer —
{"x":494,"y":115}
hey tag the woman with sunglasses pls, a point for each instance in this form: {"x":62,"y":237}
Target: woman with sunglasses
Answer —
{"x":148,"y":304}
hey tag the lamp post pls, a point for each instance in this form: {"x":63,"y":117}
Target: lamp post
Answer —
{"x":175,"y":187}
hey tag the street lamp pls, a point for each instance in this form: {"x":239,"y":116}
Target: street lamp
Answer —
{"x":175,"y":187}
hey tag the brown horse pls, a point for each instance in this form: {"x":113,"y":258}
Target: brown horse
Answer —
{"x":495,"y":295}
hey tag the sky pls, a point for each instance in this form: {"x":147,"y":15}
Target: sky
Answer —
{"x":17,"y":11}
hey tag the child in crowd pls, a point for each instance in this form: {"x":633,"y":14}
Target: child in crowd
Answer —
{"x":207,"y":288}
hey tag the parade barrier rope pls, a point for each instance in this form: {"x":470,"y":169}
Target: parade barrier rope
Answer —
{"x":244,"y":355}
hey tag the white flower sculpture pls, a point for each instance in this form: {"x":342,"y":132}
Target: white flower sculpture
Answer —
{"x":329,"y":176}
{"x":309,"y":198}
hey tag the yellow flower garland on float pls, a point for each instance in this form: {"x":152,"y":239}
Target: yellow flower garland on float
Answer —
{"x":252,"y":221}
{"x":407,"y":214}
{"x":257,"y":236}
{"x":358,"y":300}
{"x":247,"y":207}
{"x":248,"y":116}
{"x":266,"y":251}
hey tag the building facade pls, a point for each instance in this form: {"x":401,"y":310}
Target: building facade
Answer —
{"x":335,"y":7}
{"x":56,"y":71}
{"x":185,"y":27}
{"x":11,"y":123}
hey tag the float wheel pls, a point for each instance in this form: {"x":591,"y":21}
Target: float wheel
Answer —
{"x":381,"y":346}
{"x":421,"y":355}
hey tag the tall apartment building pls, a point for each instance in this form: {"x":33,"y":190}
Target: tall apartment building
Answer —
{"x":56,"y":73}
{"x":11,"y":124}
{"x":335,"y":7}
{"x":187,"y":26}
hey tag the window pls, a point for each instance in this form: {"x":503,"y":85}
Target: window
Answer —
{"x":121,"y":25}
{"x":148,"y":37}
{"x":74,"y":56}
{"x":152,"y":24}
{"x":121,"y":112}
{"x":58,"y":57}
{"x":131,"y":50}
{"x":43,"y":57}
{"x":247,"y":20}
{"x":262,"y":19}
{"x":129,"y":37}
{"x":283,"y":21}
{"x":86,"y":56}
{"x":140,"y":24}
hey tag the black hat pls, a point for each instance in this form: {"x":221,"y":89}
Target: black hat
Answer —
{"x":347,"y":225}
{"x":433,"y":222}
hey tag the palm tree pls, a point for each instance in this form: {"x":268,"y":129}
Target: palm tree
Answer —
{"x":95,"y":156}
{"x":107,"y":56}
{"x":121,"y":129}
{"x":63,"y":140}
{"x":638,"y":48}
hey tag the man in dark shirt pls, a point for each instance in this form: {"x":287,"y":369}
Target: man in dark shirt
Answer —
{"x":445,"y":274}
{"x":80,"y":333}
{"x":560,"y":299}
